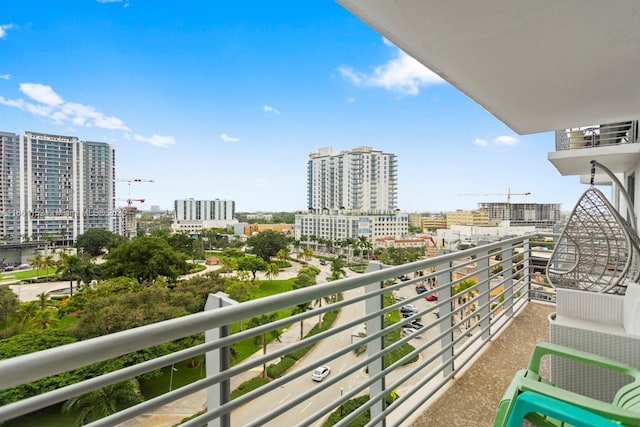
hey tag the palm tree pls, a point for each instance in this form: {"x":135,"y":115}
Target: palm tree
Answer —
{"x":273,"y":270}
{"x":262,"y":339}
{"x":44,"y":319}
{"x":337,"y":269}
{"x":282,"y":255}
{"x":103,"y":402}
{"x":43,"y":298}
{"x":307,"y":253}
{"x":36,"y":263}
{"x":47,"y":262}
{"x":26,"y":313}
{"x":301,"y":308}
{"x":71,"y":267}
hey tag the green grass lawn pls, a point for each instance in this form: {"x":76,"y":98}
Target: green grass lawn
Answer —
{"x":28,"y":274}
{"x":51,"y":416}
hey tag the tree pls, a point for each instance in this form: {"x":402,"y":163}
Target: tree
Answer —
{"x":262,"y":339}
{"x":267,"y":244}
{"x":146,"y":258}
{"x":337,"y":269}
{"x":36,"y":262}
{"x":8,"y":304}
{"x":252,"y":264}
{"x":273,"y":270}
{"x":307,"y":253}
{"x":95,"y":241}
{"x":301,"y":308}
{"x":104,"y":401}
{"x":47,"y":263}
{"x":70,"y":266}
{"x":181,"y":242}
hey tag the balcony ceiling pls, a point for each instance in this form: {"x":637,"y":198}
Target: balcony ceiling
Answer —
{"x":536,"y":65}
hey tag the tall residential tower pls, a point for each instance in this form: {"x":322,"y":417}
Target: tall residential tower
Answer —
{"x":351,"y":194}
{"x":54,"y":187}
{"x":361,"y":180}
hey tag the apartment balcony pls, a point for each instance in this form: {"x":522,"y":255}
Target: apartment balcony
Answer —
{"x":615,"y":145}
{"x":452,"y":371}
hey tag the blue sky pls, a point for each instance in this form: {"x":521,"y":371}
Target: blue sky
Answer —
{"x":226,"y":100}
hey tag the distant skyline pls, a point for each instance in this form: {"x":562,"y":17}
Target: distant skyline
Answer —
{"x":227,"y":100}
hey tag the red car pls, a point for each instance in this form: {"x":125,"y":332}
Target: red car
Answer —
{"x":432,"y":297}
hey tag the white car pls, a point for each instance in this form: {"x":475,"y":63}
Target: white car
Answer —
{"x":320,"y":373}
{"x":411,"y":331}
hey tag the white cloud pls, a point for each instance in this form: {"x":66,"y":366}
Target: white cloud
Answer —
{"x":401,"y":74}
{"x":270,"y":110}
{"x":351,"y":100}
{"x":157,"y":140}
{"x":42,"y":93}
{"x":506,"y":140}
{"x":5,"y":76}
{"x":228,"y":138}
{"x":480,"y":142}
{"x":48,"y":104}
{"x":4,"y":28}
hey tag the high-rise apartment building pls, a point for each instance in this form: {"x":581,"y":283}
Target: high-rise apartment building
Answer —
{"x":361,"y":180}
{"x":193,"y":215}
{"x":351,"y":193}
{"x":54,"y":187}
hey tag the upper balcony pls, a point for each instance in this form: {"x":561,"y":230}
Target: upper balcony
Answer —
{"x":615,"y":145}
{"x":468,"y":308}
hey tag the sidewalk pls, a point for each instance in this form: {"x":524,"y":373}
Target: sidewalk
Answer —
{"x":173,"y":413}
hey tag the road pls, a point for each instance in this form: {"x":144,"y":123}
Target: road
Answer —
{"x":264,"y":404}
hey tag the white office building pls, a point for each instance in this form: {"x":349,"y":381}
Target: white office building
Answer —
{"x":192,"y":215}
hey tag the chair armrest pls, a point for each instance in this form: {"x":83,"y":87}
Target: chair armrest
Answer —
{"x":531,"y":402}
{"x":545,"y":348}
{"x":604,"y":409}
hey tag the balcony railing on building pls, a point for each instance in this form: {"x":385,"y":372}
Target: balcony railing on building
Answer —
{"x":597,"y":135}
{"x":462,"y":300}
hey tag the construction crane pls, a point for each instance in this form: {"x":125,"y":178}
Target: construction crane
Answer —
{"x":508,"y":194}
{"x":129,"y":181}
{"x":130,"y":201}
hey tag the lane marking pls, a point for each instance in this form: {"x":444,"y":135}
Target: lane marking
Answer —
{"x":284,"y":398}
{"x":307,"y":405}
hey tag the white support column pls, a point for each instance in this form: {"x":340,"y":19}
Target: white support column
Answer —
{"x":376,"y":324}
{"x":218,"y":361}
{"x":444,"y":293}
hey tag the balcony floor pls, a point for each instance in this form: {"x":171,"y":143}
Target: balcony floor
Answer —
{"x":472,"y":398}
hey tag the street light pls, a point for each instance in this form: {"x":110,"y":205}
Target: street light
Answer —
{"x":173,"y":369}
{"x":341,"y":402}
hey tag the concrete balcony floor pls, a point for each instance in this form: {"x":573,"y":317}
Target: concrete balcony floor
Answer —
{"x":472,"y":397}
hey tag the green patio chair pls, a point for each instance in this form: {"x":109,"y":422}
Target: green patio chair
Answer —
{"x":624,"y":409}
{"x":535,"y":404}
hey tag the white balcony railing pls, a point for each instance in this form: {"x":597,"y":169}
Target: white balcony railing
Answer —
{"x":455,"y":328}
{"x":597,"y":135}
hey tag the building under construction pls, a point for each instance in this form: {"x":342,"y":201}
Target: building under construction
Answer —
{"x":541,"y":215}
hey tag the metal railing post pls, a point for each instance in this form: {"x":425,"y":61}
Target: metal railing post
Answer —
{"x":443,"y":278}
{"x":507,"y":292}
{"x":218,"y":361}
{"x":484,"y":288}
{"x":375,"y":324}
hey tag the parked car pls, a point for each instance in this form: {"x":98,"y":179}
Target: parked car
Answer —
{"x":415,"y":324}
{"x":404,"y":278}
{"x":323,"y":262}
{"x":320,"y":373}
{"x":411,"y":331}
{"x":410,"y":307}
{"x":401,"y":298}
{"x":420,"y":289}
{"x":432,"y":297}
{"x":437,"y":313}
{"x":409,"y":314}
